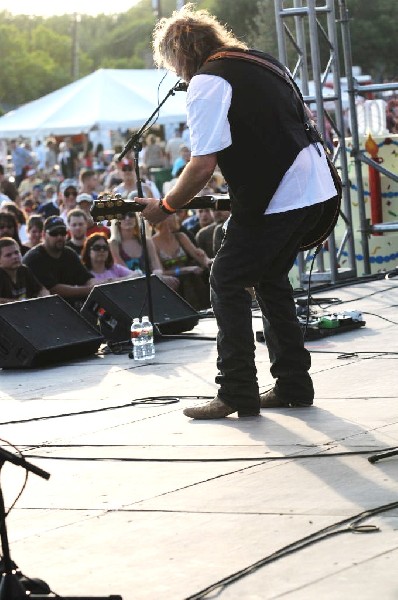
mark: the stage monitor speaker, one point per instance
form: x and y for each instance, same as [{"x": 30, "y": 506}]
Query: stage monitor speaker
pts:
[
  {"x": 113, "y": 306},
  {"x": 37, "y": 332}
]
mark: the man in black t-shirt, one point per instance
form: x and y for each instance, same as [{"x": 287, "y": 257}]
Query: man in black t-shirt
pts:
[
  {"x": 17, "y": 281},
  {"x": 59, "y": 268}
]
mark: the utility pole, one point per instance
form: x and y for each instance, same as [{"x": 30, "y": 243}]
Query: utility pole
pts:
[
  {"x": 75, "y": 47},
  {"x": 157, "y": 8}
]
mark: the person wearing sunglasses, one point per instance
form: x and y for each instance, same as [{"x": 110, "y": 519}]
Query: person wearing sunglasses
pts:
[
  {"x": 57, "y": 267},
  {"x": 129, "y": 183},
  {"x": 68, "y": 201},
  {"x": 97, "y": 258}
]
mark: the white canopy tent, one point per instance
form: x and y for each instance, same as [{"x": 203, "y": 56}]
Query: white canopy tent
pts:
[{"x": 108, "y": 99}]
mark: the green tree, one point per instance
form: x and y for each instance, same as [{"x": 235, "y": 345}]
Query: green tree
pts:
[
  {"x": 262, "y": 30},
  {"x": 373, "y": 30},
  {"x": 36, "y": 53},
  {"x": 237, "y": 15}
]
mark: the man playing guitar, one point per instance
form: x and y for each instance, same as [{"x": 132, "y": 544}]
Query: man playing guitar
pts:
[{"x": 233, "y": 103}]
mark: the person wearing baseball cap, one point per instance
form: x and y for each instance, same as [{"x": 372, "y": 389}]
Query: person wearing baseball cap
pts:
[
  {"x": 85, "y": 201},
  {"x": 84, "y": 198},
  {"x": 58, "y": 267}
]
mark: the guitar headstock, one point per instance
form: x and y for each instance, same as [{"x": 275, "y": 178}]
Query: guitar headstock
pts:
[{"x": 113, "y": 206}]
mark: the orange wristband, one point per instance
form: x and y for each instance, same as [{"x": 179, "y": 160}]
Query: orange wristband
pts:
[{"x": 168, "y": 207}]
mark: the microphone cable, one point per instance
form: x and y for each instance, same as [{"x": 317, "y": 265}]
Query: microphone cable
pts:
[{"x": 317, "y": 250}]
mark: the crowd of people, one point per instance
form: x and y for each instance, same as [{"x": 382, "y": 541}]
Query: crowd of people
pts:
[{"x": 50, "y": 244}]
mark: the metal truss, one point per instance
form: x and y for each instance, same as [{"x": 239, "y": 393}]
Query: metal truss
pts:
[{"x": 308, "y": 30}]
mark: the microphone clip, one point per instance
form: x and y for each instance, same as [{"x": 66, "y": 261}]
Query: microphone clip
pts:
[{"x": 180, "y": 86}]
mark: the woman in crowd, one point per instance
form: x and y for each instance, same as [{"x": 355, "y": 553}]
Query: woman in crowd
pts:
[
  {"x": 127, "y": 249},
  {"x": 182, "y": 259},
  {"x": 129, "y": 184},
  {"x": 34, "y": 230},
  {"x": 9, "y": 228},
  {"x": 97, "y": 258},
  {"x": 20, "y": 216},
  {"x": 67, "y": 198}
]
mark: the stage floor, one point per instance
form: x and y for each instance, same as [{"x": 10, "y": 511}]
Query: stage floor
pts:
[{"x": 145, "y": 503}]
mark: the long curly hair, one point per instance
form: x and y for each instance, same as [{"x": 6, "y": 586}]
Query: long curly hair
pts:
[{"x": 185, "y": 40}]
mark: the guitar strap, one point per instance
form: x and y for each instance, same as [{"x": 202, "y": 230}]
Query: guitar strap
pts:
[
  {"x": 313, "y": 134},
  {"x": 311, "y": 130}
]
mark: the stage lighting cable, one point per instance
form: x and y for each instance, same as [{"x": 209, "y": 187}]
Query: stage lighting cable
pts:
[{"x": 350, "y": 525}]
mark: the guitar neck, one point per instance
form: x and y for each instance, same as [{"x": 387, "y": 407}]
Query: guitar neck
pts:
[
  {"x": 216, "y": 202},
  {"x": 111, "y": 206}
]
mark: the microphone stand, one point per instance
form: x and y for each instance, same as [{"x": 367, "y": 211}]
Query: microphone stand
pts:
[
  {"x": 180, "y": 86},
  {"x": 134, "y": 143},
  {"x": 10, "y": 586}
]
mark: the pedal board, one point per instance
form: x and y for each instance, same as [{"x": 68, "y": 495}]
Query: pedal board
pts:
[{"x": 326, "y": 324}]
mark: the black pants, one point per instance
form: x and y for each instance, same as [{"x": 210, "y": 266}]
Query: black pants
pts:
[{"x": 260, "y": 256}]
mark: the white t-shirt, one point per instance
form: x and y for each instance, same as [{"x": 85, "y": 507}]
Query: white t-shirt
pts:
[{"x": 306, "y": 182}]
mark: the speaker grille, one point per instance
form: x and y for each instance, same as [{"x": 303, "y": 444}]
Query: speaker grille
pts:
[
  {"x": 44, "y": 330},
  {"x": 112, "y": 306}
]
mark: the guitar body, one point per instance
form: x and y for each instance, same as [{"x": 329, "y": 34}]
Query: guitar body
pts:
[
  {"x": 330, "y": 214},
  {"x": 318, "y": 234}
]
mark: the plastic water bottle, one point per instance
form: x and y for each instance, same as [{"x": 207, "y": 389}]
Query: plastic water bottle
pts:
[
  {"x": 136, "y": 339},
  {"x": 148, "y": 346}
]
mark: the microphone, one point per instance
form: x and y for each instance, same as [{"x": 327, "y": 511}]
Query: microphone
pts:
[{"x": 180, "y": 86}]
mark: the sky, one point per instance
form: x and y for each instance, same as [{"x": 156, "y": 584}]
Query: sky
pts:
[{"x": 47, "y": 8}]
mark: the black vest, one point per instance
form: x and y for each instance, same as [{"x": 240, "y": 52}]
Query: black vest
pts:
[{"x": 266, "y": 122}]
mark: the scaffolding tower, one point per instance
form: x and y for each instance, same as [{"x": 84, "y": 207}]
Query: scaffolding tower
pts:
[{"x": 310, "y": 28}]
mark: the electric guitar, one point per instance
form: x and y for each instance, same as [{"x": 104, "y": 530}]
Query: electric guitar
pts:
[{"x": 113, "y": 206}]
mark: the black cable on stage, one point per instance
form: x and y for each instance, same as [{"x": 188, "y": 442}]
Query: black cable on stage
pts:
[
  {"x": 346, "y": 283},
  {"x": 317, "y": 250},
  {"x": 187, "y": 336},
  {"x": 150, "y": 401},
  {"x": 379, "y": 317},
  {"x": 391, "y": 287},
  {"x": 346, "y": 355},
  {"x": 350, "y": 525},
  {"x": 165, "y": 400},
  {"x": 263, "y": 459},
  {"x": 125, "y": 347}
]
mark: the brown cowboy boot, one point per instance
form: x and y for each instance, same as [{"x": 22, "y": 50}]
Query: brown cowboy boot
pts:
[
  {"x": 215, "y": 409},
  {"x": 272, "y": 399}
]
